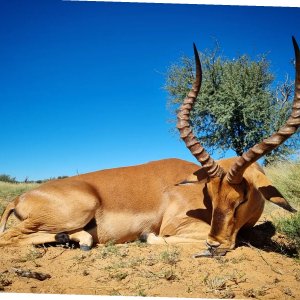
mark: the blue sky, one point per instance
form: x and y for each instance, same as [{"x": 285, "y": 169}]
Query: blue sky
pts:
[{"x": 81, "y": 83}]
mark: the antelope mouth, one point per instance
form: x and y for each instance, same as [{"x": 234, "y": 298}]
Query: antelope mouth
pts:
[{"x": 213, "y": 250}]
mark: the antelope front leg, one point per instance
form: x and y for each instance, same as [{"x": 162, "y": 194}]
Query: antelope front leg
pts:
[{"x": 153, "y": 239}]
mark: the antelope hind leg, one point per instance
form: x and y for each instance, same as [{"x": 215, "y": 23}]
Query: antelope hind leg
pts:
[
  {"x": 25, "y": 233},
  {"x": 84, "y": 238},
  {"x": 15, "y": 237}
]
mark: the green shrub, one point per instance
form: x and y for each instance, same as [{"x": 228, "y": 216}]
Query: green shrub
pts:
[
  {"x": 286, "y": 177},
  {"x": 7, "y": 178},
  {"x": 291, "y": 228}
]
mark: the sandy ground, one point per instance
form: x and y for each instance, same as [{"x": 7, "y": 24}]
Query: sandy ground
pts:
[{"x": 257, "y": 268}]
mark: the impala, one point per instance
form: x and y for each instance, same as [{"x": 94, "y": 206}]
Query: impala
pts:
[{"x": 167, "y": 201}]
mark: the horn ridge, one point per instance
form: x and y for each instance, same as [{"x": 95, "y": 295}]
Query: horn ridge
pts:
[
  {"x": 184, "y": 127},
  {"x": 235, "y": 174}
]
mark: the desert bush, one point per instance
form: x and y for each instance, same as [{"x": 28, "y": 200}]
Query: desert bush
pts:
[
  {"x": 290, "y": 226},
  {"x": 285, "y": 176},
  {"x": 170, "y": 256},
  {"x": 7, "y": 178}
]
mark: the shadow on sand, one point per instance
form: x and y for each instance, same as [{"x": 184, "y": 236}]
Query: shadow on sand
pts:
[{"x": 264, "y": 237}]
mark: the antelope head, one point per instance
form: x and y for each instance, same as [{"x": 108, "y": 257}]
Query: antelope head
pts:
[{"x": 237, "y": 186}]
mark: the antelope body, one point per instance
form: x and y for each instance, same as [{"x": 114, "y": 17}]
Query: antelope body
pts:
[{"x": 166, "y": 201}]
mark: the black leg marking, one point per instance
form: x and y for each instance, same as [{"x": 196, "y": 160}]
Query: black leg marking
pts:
[
  {"x": 143, "y": 237},
  {"x": 62, "y": 238}
]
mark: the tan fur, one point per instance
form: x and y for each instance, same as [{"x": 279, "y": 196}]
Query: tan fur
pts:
[{"x": 131, "y": 201}]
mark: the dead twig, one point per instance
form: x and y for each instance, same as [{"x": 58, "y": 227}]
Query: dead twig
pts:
[
  {"x": 259, "y": 252},
  {"x": 30, "y": 274},
  {"x": 55, "y": 256}
]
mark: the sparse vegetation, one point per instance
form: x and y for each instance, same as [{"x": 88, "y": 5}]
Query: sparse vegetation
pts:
[
  {"x": 4, "y": 280},
  {"x": 237, "y": 260},
  {"x": 32, "y": 255},
  {"x": 223, "y": 283},
  {"x": 141, "y": 293},
  {"x": 9, "y": 190},
  {"x": 168, "y": 274},
  {"x": 119, "y": 275},
  {"x": 114, "y": 292},
  {"x": 7, "y": 178},
  {"x": 47, "y": 179},
  {"x": 170, "y": 256},
  {"x": 255, "y": 293},
  {"x": 109, "y": 249},
  {"x": 290, "y": 226},
  {"x": 288, "y": 291},
  {"x": 285, "y": 176},
  {"x": 297, "y": 275}
]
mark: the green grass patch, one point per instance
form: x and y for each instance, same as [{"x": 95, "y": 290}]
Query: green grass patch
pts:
[
  {"x": 286, "y": 177},
  {"x": 8, "y": 191},
  {"x": 170, "y": 256},
  {"x": 290, "y": 226}
]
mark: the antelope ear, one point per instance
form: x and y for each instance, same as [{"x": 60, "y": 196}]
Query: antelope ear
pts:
[
  {"x": 270, "y": 192},
  {"x": 200, "y": 176},
  {"x": 273, "y": 195}
]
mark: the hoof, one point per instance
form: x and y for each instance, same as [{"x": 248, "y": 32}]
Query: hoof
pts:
[
  {"x": 143, "y": 237},
  {"x": 85, "y": 247}
]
